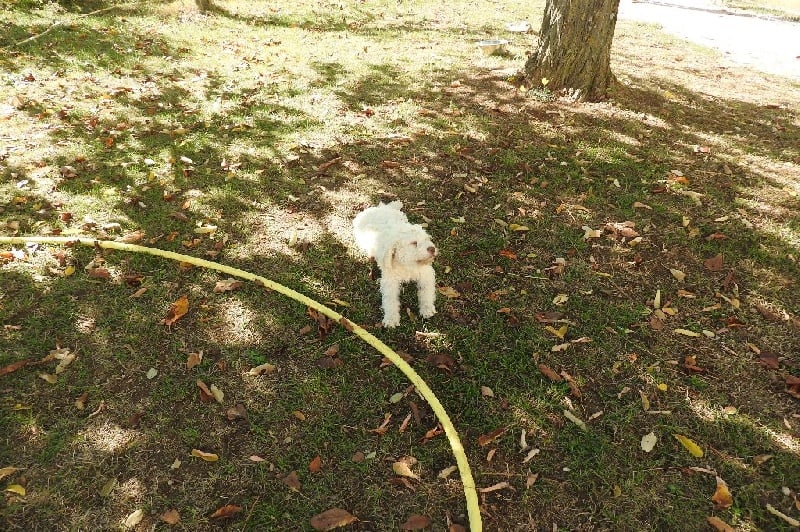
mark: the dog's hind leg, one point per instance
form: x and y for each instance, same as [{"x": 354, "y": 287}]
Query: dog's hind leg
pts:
[
  {"x": 390, "y": 294},
  {"x": 426, "y": 292}
]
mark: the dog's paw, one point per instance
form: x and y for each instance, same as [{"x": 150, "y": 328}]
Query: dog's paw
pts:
[
  {"x": 427, "y": 312},
  {"x": 391, "y": 322}
]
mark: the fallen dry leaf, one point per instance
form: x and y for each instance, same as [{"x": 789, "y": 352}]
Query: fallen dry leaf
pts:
[
  {"x": 208, "y": 457},
  {"x": 718, "y": 524},
  {"x": 677, "y": 274},
  {"x": 416, "y": 522},
  {"x": 98, "y": 273},
  {"x": 447, "y": 471},
  {"x": 403, "y": 468},
  {"x": 573, "y": 386},
  {"x": 714, "y": 264},
  {"x": 315, "y": 466},
  {"x": 6, "y": 471},
  {"x": 14, "y": 366},
  {"x": 226, "y": 511},
  {"x": 80, "y": 401},
  {"x": 177, "y": 310},
  {"x": 217, "y": 393},
  {"x": 486, "y": 439},
  {"x": 384, "y": 427},
  {"x": 559, "y": 333},
  {"x": 449, "y": 292},
  {"x": 52, "y": 379},
  {"x": 690, "y": 445},
  {"x": 134, "y": 518},
  {"x": 777, "y": 513},
  {"x": 649, "y": 442},
  {"x": 236, "y": 412},
  {"x": 331, "y": 519},
  {"x": 722, "y": 496},
  {"x": 205, "y": 394},
  {"x": 194, "y": 359},
  {"x": 227, "y": 285},
  {"x": 549, "y": 373},
  {"x": 293, "y": 481},
  {"x": 579, "y": 422},
  {"x": 171, "y": 517},
  {"x": 495, "y": 487},
  {"x": 263, "y": 369}
]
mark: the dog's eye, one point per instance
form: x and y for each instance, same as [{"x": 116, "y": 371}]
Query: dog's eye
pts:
[{"x": 414, "y": 243}]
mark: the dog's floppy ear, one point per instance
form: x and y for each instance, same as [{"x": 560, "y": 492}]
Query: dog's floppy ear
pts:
[{"x": 387, "y": 255}]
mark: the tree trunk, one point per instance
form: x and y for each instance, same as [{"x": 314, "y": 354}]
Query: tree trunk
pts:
[
  {"x": 574, "y": 50},
  {"x": 204, "y": 5}
]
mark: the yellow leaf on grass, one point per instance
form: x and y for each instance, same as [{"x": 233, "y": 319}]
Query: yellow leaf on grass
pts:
[
  {"x": 447, "y": 471},
  {"x": 6, "y": 471},
  {"x": 449, "y": 291},
  {"x": 16, "y": 488},
  {"x": 518, "y": 227},
  {"x": 679, "y": 275},
  {"x": 217, "y": 393},
  {"x": 560, "y": 332},
  {"x": 134, "y": 518},
  {"x": 722, "y": 496},
  {"x": 177, "y": 310},
  {"x": 263, "y": 369},
  {"x": 69, "y": 270},
  {"x": 49, "y": 378},
  {"x": 588, "y": 232},
  {"x": 686, "y": 332},
  {"x": 649, "y": 442},
  {"x": 690, "y": 445},
  {"x": 205, "y": 229},
  {"x": 402, "y": 469},
  {"x": 208, "y": 457}
]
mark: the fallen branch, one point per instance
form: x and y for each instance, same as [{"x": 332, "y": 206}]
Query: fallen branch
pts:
[
  {"x": 63, "y": 22},
  {"x": 467, "y": 481}
]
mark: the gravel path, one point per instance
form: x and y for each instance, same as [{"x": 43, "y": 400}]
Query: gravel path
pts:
[{"x": 763, "y": 43}]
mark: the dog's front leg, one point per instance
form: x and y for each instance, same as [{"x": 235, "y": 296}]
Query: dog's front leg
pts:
[
  {"x": 426, "y": 292},
  {"x": 390, "y": 293}
]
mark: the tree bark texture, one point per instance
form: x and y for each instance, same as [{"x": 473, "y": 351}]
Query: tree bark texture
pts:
[{"x": 574, "y": 52}]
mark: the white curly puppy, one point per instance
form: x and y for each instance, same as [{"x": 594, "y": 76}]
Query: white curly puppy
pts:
[{"x": 404, "y": 252}]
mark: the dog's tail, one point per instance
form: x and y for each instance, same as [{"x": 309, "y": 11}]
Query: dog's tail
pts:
[{"x": 396, "y": 205}]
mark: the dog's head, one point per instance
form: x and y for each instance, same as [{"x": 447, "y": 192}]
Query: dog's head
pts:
[{"x": 412, "y": 248}]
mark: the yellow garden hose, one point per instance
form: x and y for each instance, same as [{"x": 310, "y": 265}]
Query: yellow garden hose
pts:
[{"x": 467, "y": 481}]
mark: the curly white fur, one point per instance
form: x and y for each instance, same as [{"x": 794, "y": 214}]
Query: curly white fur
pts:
[{"x": 404, "y": 252}]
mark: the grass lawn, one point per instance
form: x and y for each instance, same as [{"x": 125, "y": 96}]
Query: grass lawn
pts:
[{"x": 612, "y": 276}]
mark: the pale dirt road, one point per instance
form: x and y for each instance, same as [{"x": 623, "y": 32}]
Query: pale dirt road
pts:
[{"x": 762, "y": 43}]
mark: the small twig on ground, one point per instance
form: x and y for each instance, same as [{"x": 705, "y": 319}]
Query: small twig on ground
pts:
[{"x": 63, "y": 22}]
